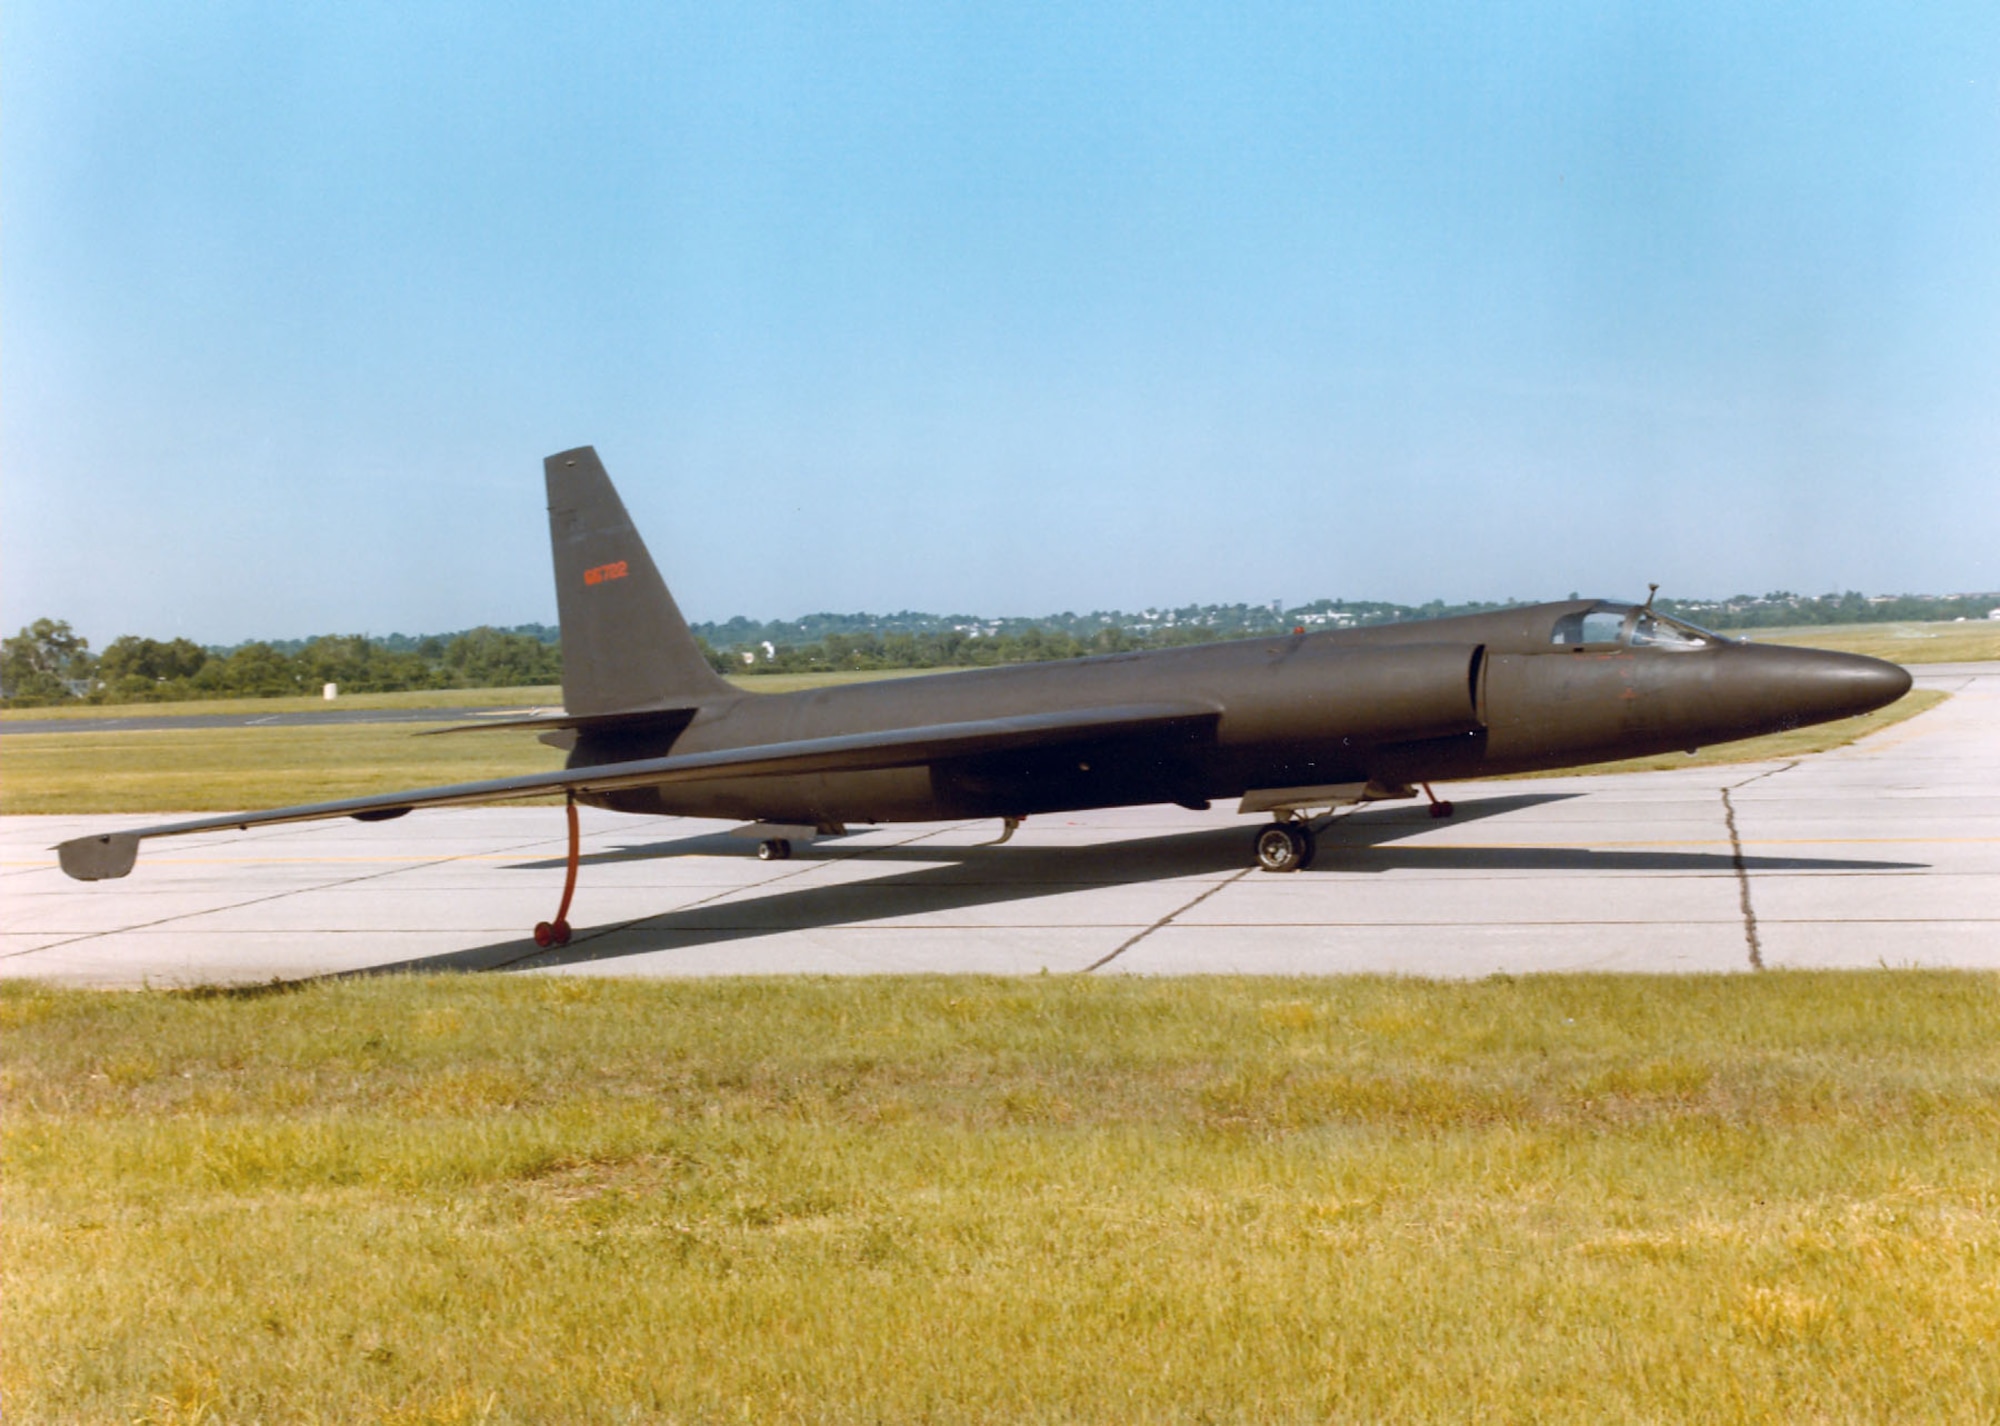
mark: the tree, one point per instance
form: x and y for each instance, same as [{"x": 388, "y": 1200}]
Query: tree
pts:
[
  {"x": 133, "y": 667},
  {"x": 254, "y": 670},
  {"x": 717, "y": 660},
  {"x": 488, "y": 658},
  {"x": 38, "y": 665},
  {"x": 359, "y": 664}
]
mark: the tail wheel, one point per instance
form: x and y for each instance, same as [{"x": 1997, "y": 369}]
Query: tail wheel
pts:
[{"x": 1284, "y": 846}]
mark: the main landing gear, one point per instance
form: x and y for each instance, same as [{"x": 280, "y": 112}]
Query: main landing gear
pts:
[
  {"x": 774, "y": 849},
  {"x": 556, "y": 932},
  {"x": 1286, "y": 846}
]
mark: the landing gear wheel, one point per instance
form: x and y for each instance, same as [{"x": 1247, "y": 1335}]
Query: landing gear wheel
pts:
[
  {"x": 774, "y": 849},
  {"x": 1442, "y": 809},
  {"x": 1284, "y": 846},
  {"x": 551, "y": 933}
]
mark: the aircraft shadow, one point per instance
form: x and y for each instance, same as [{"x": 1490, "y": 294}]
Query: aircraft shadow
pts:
[
  {"x": 963, "y": 878},
  {"x": 1368, "y": 825}
]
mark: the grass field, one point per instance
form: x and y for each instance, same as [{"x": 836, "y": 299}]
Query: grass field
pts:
[
  {"x": 225, "y": 769},
  {"x": 524, "y": 698},
  {"x": 548, "y": 696},
  {"x": 516, "y": 1199},
  {"x": 1973, "y": 641}
]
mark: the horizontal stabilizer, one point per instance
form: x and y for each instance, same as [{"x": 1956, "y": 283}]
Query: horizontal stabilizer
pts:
[
  {"x": 642, "y": 719},
  {"x": 94, "y": 858}
]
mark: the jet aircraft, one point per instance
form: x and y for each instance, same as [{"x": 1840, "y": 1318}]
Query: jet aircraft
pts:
[{"x": 1292, "y": 727}]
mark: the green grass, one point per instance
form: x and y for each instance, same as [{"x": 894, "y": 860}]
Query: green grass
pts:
[{"x": 511, "y": 1199}]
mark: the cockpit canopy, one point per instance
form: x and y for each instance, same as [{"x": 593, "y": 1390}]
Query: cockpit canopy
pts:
[{"x": 1610, "y": 625}]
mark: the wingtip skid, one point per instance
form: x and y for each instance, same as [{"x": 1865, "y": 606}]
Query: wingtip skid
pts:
[{"x": 99, "y": 858}]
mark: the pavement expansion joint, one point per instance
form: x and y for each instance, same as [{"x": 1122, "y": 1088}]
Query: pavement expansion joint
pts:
[
  {"x": 1164, "y": 921},
  {"x": 1742, "y": 883},
  {"x": 1767, "y": 772}
]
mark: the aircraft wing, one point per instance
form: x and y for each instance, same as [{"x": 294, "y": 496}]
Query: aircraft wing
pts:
[{"x": 112, "y": 854}]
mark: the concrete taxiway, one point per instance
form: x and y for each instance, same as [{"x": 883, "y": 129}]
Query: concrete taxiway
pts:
[{"x": 1885, "y": 853}]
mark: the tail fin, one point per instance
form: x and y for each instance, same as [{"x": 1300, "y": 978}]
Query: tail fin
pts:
[{"x": 625, "y": 645}]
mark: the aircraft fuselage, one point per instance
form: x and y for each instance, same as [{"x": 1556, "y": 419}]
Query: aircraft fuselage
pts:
[{"x": 1435, "y": 700}]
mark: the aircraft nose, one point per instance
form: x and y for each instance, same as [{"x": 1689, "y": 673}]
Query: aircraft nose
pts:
[{"x": 1842, "y": 685}]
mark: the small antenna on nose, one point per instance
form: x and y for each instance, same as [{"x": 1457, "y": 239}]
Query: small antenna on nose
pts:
[{"x": 1651, "y": 590}]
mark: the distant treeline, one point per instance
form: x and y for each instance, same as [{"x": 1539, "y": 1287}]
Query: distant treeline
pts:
[
  {"x": 48, "y": 663},
  {"x": 1152, "y": 628},
  {"x": 1786, "y": 610}
]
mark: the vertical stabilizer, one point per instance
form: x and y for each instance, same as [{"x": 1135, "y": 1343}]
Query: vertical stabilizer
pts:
[{"x": 625, "y": 645}]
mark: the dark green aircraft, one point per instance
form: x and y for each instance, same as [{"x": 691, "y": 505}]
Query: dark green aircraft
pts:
[{"x": 1293, "y": 727}]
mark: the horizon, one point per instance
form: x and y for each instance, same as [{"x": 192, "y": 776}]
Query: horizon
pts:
[{"x": 547, "y": 628}]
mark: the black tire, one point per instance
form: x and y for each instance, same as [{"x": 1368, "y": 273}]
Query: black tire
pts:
[
  {"x": 1308, "y": 845},
  {"x": 773, "y": 849},
  {"x": 1279, "y": 848}
]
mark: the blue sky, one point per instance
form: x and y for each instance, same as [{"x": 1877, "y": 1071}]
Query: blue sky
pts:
[{"x": 990, "y": 309}]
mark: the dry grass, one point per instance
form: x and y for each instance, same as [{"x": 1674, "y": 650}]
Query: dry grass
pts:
[
  {"x": 224, "y": 769},
  {"x": 525, "y": 699},
  {"x": 529, "y": 1199},
  {"x": 1974, "y": 641},
  {"x": 529, "y": 699}
]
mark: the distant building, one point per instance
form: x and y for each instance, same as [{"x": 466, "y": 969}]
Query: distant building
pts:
[{"x": 1993, "y": 613}]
